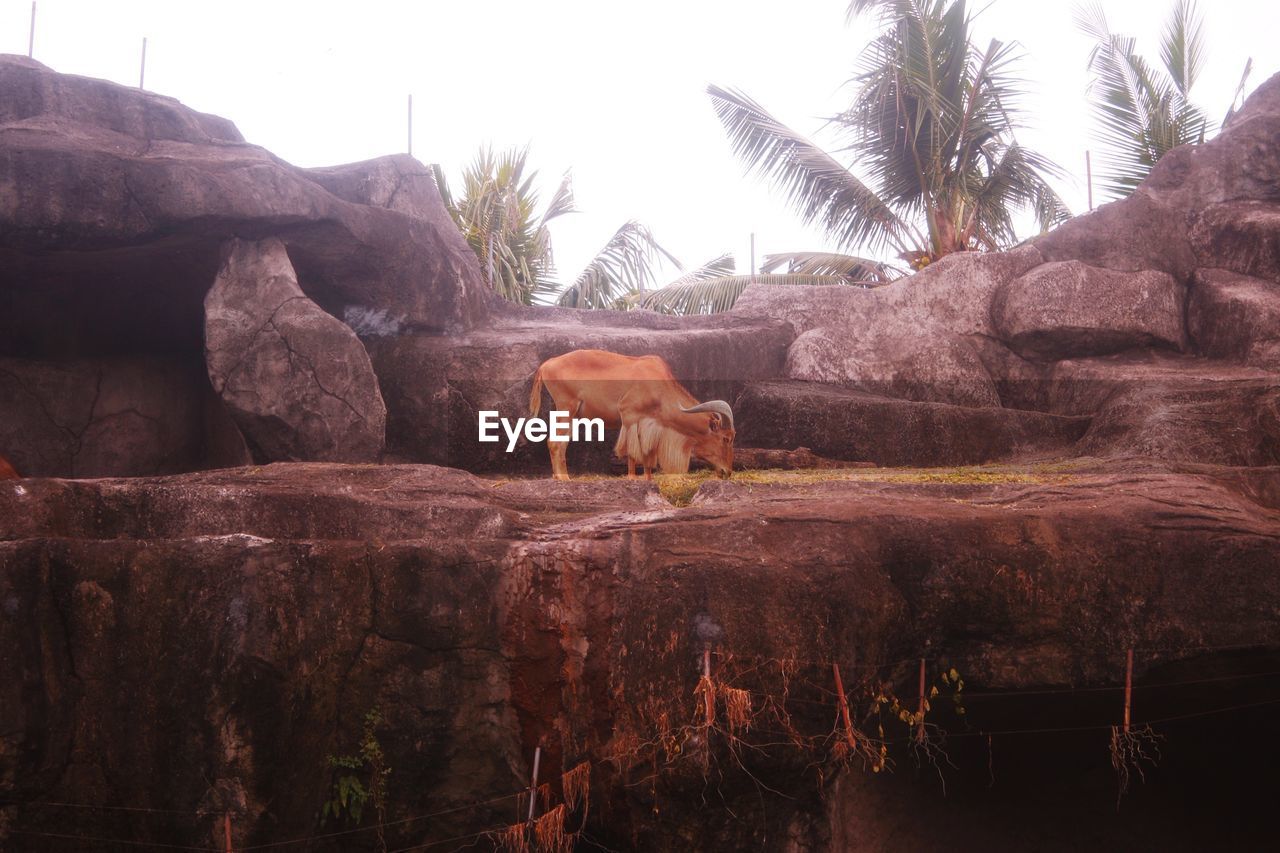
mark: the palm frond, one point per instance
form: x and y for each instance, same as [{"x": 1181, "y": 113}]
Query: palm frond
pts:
[
  {"x": 1141, "y": 115},
  {"x": 625, "y": 264},
  {"x": 1238, "y": 98},
  {"x": 719, "y": 294},
  {"x": 562, "y": 201},
  {"x": 848, "y": 267},
  {"x": 442, "y": 184},
  {"x": 1182, "y": 48},
  {"x": 822, "y": 190}
]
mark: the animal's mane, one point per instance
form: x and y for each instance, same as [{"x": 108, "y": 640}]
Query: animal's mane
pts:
[{"x": 648, "y": 442}]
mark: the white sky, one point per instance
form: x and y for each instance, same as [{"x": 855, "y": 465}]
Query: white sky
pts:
[{"x": 613, "y": 90}]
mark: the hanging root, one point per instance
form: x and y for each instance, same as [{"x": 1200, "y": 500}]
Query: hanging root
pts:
[
  {"x": 577, "y": 788},
  {"x": 549, "y": 834},
  {"x": 737, "y": 708},
  {"x": 1129, "y": 750},
  {"x": 706, "y": 693},
  {"x": 513, "y": 839}
]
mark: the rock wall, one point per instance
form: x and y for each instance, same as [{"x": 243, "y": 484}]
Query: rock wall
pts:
[
  {"x": 170, "y": 640},
  {"x": 119, "y": 205}
]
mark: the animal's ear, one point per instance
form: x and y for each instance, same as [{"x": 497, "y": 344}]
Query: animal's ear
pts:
[{"x": 715, "y": 421}]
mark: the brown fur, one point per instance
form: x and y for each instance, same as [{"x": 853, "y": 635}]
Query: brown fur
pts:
[{"x": 641, "y": 398}]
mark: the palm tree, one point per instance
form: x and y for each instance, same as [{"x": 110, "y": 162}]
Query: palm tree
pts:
[
  {"x": 498, "y": 216},
  {"x": 623, "y": 267},
  {"x": 931, "y": 131},
  {"x": 1142, "y": 112},
  {"x": 713, "y": 287}
]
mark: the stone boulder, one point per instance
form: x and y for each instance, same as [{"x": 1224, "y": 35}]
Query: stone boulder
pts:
[
  {"x": 296, "y": 380},
  {"x": 92, "y": 167},
  {"x": 1242, "y": 237},
  {"x": 1069, "y": 309},
  {"x": 941, "y": 368},
  {"x": 1235, "y": 317}
]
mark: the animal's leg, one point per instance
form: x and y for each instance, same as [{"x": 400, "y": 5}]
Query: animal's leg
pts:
[
  {"x": 559, "y": 451},
  {"x": 630, "y": 438}
]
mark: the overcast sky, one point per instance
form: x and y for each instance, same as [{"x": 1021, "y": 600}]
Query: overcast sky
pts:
[{"x": 614, "y": 91}]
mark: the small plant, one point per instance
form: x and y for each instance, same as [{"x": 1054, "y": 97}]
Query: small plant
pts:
[{"x": 351, "y": 792}]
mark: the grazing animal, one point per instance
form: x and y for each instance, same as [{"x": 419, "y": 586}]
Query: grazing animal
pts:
[
  {"x": 7, "y": 471},
  {"x": 660, "y": 423}
]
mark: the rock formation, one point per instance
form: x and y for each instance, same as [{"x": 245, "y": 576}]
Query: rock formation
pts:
[
  {"x": 198, "y": 643},
  {"x": 296, "y": 380},
  {"x": 164, "y": 636}
]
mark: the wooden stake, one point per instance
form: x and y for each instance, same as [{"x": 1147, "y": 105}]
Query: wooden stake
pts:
[
  {"x": 142, "y": 71},
  {"x": 31, "y": 41},
  {"x": 844, "y": 707},
  {"x": 226, "y": 830},
  {"x": 533, "y": 785},
  {"x": 920, "y": 707},
  {"x": 1088, "y": 171},
  {"x": 1128, "y": 688},
  {"x": 411, "y": 125},
  {"x": 753, "y": 253}
]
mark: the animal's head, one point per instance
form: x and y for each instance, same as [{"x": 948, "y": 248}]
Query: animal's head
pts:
[{"x": 714, "y": 444}]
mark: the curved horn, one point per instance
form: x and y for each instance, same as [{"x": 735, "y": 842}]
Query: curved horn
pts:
[{"x": 720, "y": 407}]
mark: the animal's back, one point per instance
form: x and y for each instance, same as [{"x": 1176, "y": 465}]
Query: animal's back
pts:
[
  {"x": 596, "y": 364},
  {"x": 591, "y": 383}
]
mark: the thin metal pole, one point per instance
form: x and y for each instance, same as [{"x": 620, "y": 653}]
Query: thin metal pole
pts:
[
  {"x": 1088, "y": 170},
  {"x": 142, "y": 71},
  {"x": 533, "y": 786},
  {"x": 411, "y": 125},
  {"x": 31, "y": 42},
  {"x": 753, "y": 253}
]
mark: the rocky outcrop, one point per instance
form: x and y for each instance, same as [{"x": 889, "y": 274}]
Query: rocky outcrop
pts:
[
  {"x": 1069, "y": 309},
  {"x": 199, "y": 644},
  {"x": 115, "y": 208},
  {"x": 1235, "y": 317},
  {"x": 297, "y": 381},
  {"x": 120, "y": 205},
  {"x": 254, "y": 616}
]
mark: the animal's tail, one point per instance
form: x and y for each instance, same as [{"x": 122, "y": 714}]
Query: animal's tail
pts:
[{"x": 535, "y": 396}]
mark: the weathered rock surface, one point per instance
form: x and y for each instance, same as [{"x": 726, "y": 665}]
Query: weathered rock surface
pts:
[
  {"x": 112, "y": 417},
  {"x": 1235, "y": 317},
  {"x": 297, "y": 381},
  {"x": 253, "y": 616},
  {"x": 855, "y": 425},
  {"x": 1069, "y": 309},
  {"x": 117, "y": 205}
]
